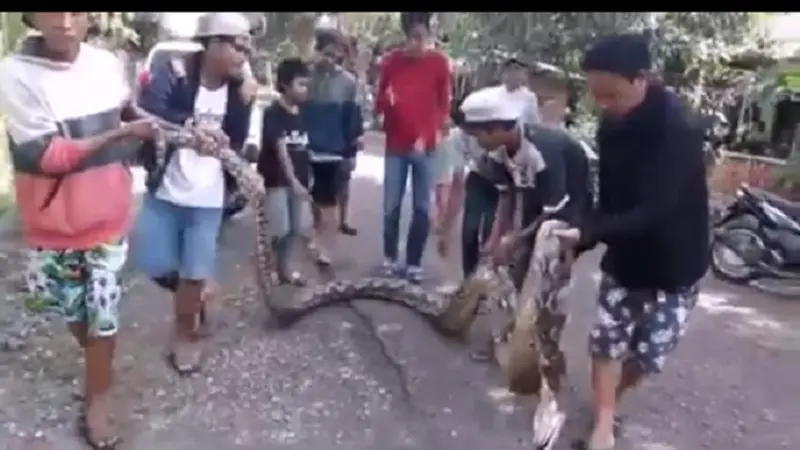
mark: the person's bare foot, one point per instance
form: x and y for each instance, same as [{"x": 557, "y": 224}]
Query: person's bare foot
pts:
[
  {"x": 186, "y": 356},
  {"x": 97, "y": 429}
]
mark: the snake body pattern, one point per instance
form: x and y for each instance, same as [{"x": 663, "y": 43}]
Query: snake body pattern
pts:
[{"x": 526, "y": 337}]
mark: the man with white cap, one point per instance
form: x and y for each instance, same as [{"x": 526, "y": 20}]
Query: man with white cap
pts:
[
  {"x": 498, "y": 160},
  {"x": 180, "y": 217}
]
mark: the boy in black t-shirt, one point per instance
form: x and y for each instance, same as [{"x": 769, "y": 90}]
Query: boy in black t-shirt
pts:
[{"x": 284, "y": 165}]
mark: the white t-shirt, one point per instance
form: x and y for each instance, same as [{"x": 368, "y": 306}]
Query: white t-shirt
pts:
[{"x": 191, "y": 179}]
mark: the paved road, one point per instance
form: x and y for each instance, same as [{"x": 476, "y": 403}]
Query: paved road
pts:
[{"x": 373, "y": 376}]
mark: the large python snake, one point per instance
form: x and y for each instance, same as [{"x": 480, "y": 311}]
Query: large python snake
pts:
[
  {"x": 526, "y": 334},
  {"x": 526, "y": 338}
]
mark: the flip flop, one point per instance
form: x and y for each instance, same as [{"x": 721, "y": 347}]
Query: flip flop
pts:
[
  {"x": 293, "y": 279},
  {"x": 348, "y": 230},
  {"x": 183, "y": 370},
  {"x": 583, "y": 444},
  {"x": 109, "y": 443}
]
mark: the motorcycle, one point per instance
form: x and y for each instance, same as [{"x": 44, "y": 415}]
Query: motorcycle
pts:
[{"x": 757, "y": 240}]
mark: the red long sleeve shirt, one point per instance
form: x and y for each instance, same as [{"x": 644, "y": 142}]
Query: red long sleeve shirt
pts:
[{"x": 419, "y": 102}]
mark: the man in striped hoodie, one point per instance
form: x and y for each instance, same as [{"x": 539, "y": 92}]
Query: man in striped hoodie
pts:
[{"x": 63, "y": 102}]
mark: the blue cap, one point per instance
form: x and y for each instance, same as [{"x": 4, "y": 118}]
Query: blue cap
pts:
[{"x": 626, "y": 55}]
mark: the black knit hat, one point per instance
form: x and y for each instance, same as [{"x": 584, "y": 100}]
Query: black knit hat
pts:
[{"x": 626, "y": 55}]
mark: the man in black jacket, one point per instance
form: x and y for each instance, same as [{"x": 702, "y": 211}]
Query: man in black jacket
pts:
[{"x": 653, "y": 218}]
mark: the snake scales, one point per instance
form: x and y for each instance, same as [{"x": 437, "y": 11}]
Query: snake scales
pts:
[{"x": 526, "y": 330}]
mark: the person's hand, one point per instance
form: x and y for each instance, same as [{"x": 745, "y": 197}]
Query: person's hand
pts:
[
  {"x": 568, "y": 238},
  {"x": 249, "y": 89},
  {"x": 203, "y": 142},
  {"x": 390, "y": 95},
  {"x": 419, "y": 145},
  {"x": 504, "y": 247},
  {"x": 487, "y": 248},
  {"x": 141, "y": 129},
  {"x": 219, "y": 136}
]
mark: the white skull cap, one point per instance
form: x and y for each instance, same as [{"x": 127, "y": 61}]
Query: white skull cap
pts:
[{"x": 222, "y": 24}]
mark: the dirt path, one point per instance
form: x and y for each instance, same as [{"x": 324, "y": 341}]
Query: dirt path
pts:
[{"x": 372, "y": 376}]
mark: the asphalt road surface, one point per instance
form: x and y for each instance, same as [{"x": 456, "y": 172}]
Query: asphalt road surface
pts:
[{"x": 371, "y": 376}]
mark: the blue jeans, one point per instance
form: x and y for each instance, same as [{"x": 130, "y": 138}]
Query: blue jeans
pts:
[
  {"x": 170, "y": 238},
  {"x": 395, "y": 174},
  {"x": 289, "y": 217},
  {"x": 480, "y": 203}
]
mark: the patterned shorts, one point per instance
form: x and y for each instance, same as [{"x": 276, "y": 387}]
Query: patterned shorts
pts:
[
  {"x": 640, "y": 325},
  {"x": 80, "y": 285}
]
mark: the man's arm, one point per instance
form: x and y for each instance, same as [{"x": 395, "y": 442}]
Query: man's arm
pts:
[
  {"x": 382, "y": 101},
  {"x": 354, "y": 120},
  {"x": 238, "y": 122},
  {"x": 444, "y": 90},
  {"x": 35, "y": 143},
  {"x": 662, "y": 181},
  {"x": 552, "y": 181},
  {"x": 455, "y": 168},
  {"x": 155, "y": 97}
]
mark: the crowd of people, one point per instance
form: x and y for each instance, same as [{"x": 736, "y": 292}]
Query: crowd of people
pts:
[{"x": 499, "y": 159}]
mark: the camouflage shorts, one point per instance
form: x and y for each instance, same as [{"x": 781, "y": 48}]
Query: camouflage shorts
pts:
[{"x": 80, "y": 285}]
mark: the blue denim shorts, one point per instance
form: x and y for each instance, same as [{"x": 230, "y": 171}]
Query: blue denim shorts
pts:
[
  {"x": 169, "y": 237},
  {"x": 640, "y": 325}
]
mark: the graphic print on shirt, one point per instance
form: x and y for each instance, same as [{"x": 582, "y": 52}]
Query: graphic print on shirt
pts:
[
  {"x": 191, "y": 179},
  {"x": 281, "y": 125},
  {"x": 296, "y": 140}
]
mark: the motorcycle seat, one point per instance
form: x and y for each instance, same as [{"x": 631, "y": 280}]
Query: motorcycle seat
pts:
[{"x": 792, "y": 209}]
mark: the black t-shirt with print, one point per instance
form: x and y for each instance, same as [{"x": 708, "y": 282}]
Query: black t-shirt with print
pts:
[{"x": 279, "y": 124}]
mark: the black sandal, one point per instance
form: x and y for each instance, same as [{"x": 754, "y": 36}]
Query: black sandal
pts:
[
  {"x": 293, "y": 279},
  {"x": 109, "y": 443},
  {"x": 183, "y": 370},
  {"x": 347, "y": 230}
]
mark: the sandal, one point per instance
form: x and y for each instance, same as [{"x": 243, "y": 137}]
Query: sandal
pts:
[
  {"x": 583, "y": 444},
  {"x": 348, "y": 230},
  {"x": 107, "y": 443},
  {"x": 185, "y": 358},
  {"x": 293, "y": 279},
  {"x": 319, "y": 255}
]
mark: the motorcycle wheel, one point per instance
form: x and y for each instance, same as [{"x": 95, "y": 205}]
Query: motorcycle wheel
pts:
[{"x": 729, "y": 260}]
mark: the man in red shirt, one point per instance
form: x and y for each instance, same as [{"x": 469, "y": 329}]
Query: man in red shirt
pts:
[{"x": 414, "y": 100}]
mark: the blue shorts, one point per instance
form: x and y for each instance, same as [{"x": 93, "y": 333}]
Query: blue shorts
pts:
[
  {"x": 171, "y": 238},
  {"x": 640, "y": 325}
]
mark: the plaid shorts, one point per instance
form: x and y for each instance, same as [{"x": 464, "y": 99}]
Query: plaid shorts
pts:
[
  {"x": 80, "y": 285},
  {"x": 640, "y": 325}
]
